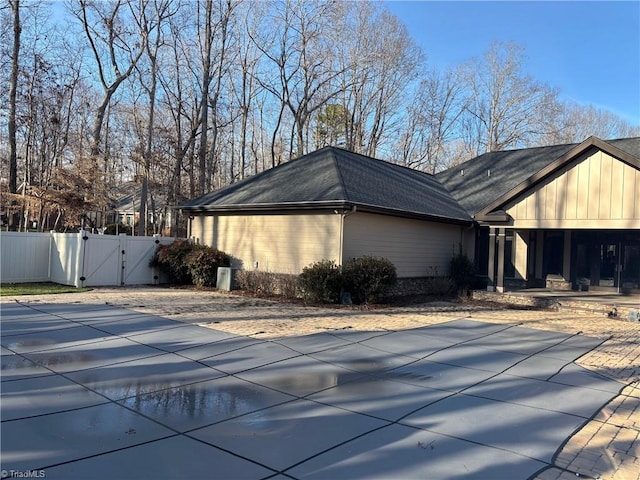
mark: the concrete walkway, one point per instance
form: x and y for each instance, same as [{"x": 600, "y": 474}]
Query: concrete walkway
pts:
[{"x": 494, "y": 356}]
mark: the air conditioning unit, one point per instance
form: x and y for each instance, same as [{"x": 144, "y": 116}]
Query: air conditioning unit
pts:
[{"x": 226, "y": 279}]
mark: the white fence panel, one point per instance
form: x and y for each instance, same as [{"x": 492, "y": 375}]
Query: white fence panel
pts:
[
  {"x": 24, "y": 257},
  {"x": 101, "y": 260},
  {"x": 138, "y": 253},
  {"x": 80, "y": 259},
  {"x": 65, "y": 257}
]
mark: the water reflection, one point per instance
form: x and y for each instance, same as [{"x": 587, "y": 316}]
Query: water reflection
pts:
[{"x": 202, "y": 403}]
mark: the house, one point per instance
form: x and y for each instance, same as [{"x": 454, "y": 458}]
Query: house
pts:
[
  {"x": 334, "y": 204},
  {"x": 567, "y": 216},
  {"x": 125, "y": 208}
]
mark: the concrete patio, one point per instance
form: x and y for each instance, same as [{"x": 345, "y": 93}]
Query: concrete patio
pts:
[{"x": 98, "y": 391}]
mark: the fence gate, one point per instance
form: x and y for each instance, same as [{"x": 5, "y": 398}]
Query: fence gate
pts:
[
  {"x": 100, "y": 259},
  {"x": 81, "y": 259}
]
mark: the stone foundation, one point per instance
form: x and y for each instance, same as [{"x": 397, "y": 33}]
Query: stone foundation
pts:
[
  {"x": 409, "y": 286},
  {"x": 513, "y": 299}
]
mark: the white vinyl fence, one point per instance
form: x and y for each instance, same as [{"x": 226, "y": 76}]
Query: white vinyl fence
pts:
[{"x": 80, "y": 259}]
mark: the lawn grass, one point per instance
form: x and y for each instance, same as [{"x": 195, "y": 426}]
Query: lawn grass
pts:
[{"x": 43, "y": 288}]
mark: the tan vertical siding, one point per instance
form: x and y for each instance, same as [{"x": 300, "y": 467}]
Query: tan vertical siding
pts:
[
  {"x": 415, "y": 247},
  {"x": 617, "y": 189},
  {"x": 278, "y": 243},
  {"x": 599, "y": 192}
]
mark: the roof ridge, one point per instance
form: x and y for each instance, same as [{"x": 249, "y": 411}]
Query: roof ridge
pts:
[{"x": 343, "y": 185}]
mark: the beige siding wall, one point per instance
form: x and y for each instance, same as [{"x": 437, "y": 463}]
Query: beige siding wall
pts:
[
  {"x": 412, "y": 245},
  {"x": 599, "y": 192},
  {"x": 279, "y": 243}
]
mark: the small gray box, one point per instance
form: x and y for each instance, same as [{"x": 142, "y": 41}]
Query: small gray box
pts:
[{"x": 226, "y": 279}]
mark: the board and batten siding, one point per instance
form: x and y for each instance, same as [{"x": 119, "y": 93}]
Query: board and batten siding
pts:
[
  {"x": 415, "y": 247},
  {"x": 598, "y": 192},
  {"x": 278, "y": 243}
]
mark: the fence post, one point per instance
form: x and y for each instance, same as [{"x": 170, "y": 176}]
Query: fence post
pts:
[
  {"x": 50, "y": 253},
  {"x": 123, "y": 259},
  {"x": 155, "y": 271},
  {"x": 80, "y": 278}
]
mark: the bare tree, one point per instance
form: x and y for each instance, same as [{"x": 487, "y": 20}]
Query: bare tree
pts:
[
  {"x": 13, "y": 86},
  {"x": 380, "y": 63},
  {"x": 152, "y": 24},
  {"x": 432, "y": 120},
  {"x": 576, "y": 122},
  {"x": 506, "y": 108},
  {"x": 116, "y": 43},
  {"x": 303, "y": 67},
  {"x": 214, "y": 32}
]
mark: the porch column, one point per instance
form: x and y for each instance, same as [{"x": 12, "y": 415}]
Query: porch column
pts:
[
  {"x": 521, "y": 247},
  {"x": 500, "y": 276},
  {"x": 539, "y": 252},
  {"x": 491, "y": 284},
  {"x": 566, "y": 257}
]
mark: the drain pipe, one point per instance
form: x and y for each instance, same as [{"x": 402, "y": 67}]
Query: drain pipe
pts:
[{"x": 343, "y": 215}]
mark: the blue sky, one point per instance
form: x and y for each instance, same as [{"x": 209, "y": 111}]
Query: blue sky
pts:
[{"x": 589, "y": 50}]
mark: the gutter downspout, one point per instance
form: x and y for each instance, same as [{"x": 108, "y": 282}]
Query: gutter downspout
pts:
[{"x": 343, "y": 216}]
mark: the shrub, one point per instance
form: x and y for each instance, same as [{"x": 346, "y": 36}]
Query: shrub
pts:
[
  {"x": 268, "y": 284},
  {"x": 321, "y": 282},
  {"x": 188, "y": 263},
  {"x": 463, "y": 273},
  {"x": 369, "y": 278},
  {"x": 288, "y": 286},
  {"x": 256, "y": 281},
  {"x": 203, "y": 262},
  {"x": 171, "y": 260}
]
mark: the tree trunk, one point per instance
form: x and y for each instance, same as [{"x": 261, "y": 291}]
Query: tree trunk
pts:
[{"x": 14, "y": 218}]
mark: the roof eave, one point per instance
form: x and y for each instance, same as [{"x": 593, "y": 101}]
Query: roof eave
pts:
[
  {"x": 560, "y": 162},
  {"x": 266, "y": 207},
  {"x": 320, "y": 206}
]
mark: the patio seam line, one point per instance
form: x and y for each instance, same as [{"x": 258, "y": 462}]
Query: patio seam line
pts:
[
  {"x": 176, "y": 432},
  {"x": 495, "y": 375},
  {"x": 102, "y": 453},
  {"x": 413, "y": 359},
  {"x": 399, "y": 420},
  {"x": 391, "y": 423},
  {"x": 159, "y": 440}
]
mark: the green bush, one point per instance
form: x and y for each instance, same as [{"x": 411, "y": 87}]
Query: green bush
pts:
[
  {"x": 369, "y": 278},
  {"x": 463, "y": 273},
  {"x": 203, "y": 262},
  {"x": 321, "y": 282},
  {"x": 171, "y": 259},
  {"x": 187, "y": 263}
]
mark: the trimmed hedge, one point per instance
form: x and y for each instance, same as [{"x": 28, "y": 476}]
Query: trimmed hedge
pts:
[
  {"x": 321, "y": 282},
  {"x": 203, "y": 262},
  {"x": 368, "y": 279},
  {"x": 187, "y": 263},
  {"x": 268, "y": 284}
]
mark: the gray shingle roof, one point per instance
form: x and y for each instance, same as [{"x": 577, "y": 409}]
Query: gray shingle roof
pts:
[
  {"x": 335, "y": 176},
  {"x": 479, "y": 181}
]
